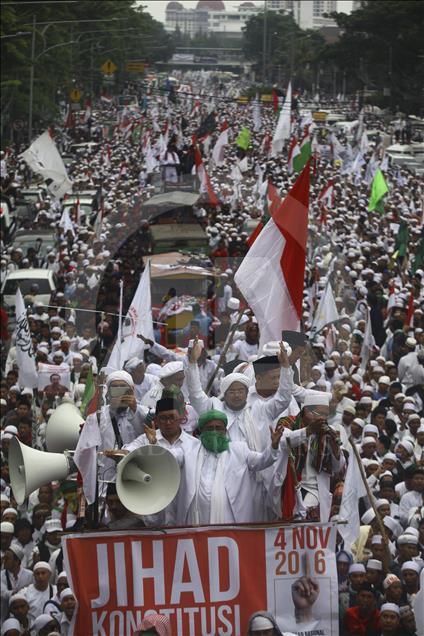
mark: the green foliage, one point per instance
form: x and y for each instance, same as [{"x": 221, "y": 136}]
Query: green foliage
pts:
[
  {"x": 290, "y": 50},
  {"x": 72, "y": 41},
  {"x": 383, "y": 48}
]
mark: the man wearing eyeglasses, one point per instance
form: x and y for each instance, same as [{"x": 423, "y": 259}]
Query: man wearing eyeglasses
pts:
[{"x": 166, "y": 431}]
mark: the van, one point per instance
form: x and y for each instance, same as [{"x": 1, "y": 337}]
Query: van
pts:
[{"x": 24, "y": 279}]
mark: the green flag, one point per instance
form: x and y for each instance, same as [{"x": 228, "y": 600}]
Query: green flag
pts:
[
  {"x": 402, "y": 238},
  {"x": 378, "y": 190},
  {"x": 418, "y": 262},
  {"x": 243, "y": 138},
  {"x": 300, "y": 160},
  {"x": 89, "y": 391}
]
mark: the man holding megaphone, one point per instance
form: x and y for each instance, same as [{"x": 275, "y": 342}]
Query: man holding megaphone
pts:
[{"x": 119, "y": 422}]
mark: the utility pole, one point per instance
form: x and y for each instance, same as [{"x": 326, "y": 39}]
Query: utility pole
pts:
[
  {"x": 264, "y": 46},
  {"x": 31, "y": 79}
]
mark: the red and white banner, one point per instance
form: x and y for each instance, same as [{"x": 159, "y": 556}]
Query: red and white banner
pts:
[{"x": 207, "y": 580}]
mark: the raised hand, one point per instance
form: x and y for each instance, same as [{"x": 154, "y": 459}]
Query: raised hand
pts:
[
  {"x": 283, "y": 357},
  {"x": 276, "y": 436}
]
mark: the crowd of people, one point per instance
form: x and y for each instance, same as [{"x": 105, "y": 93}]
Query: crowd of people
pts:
[{"x": 240, "y": 420}]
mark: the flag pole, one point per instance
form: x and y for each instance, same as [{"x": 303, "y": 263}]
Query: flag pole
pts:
[
  {"x": 225, "y": 348},
  {"x": 368, "y": 489},
  {"x": 121, "y": 302}
]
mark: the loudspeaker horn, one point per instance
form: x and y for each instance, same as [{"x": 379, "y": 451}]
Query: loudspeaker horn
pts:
[
  {"x": 29, "y": 469},
  {"x": 147, "y": 479},
  {"x": 63, "y": 428}
]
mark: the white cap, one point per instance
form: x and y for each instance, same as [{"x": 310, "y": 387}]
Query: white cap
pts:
[
  {"x": 171, "y": 368},
  {"x": 390, "y": 607},
  {"x": 7, "y": 527},
  {"x": 52, "y": 525},
  {"x": 407, "y": 445},
  {"x": 377, "y": 539},
  {"x": 316, "y": 398},
  {"x": 260, "y": 623},
  {"x": 374, "y": 564},
  {"x": 9, "y": 624},
  {"x": 384, "y": 379},
  {"x": 41, "y": 565},
  {"x": 411, "y": 565},
  {"x": 359, "y": 422},
  {"x": 357, "y": 567},
  {"x": 367, "y": 517},
  {"x": 66, "y": 592},
  {"x": 370, "y": 428},
  {"x": 407, "y": 539},
  {"x": 41, "y": 621}
]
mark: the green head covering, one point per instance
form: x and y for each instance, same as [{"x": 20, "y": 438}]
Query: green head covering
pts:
[{"x": 212, "y": 414}]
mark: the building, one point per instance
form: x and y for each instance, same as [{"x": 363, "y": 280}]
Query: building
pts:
[
  {"x": 308, "y": 14},
  {"x": 209, "y": 16}
]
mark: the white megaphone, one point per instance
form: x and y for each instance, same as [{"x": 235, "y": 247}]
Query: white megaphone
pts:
[
  {"x": 63, "y": 427},
  {"x": 147, "y": 479},
  {"x": 29, "y": 469}
]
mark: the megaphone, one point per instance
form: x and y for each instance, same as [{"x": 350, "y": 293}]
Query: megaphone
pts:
[
  {"x": 63, "y": 428},
  {"x": 29, "y": 469},
  {"x": 147, "y": 479}
]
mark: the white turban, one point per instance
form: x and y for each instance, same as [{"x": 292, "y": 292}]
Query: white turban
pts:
[
  {"x": 230, "y": 379},
  {"x": 132, "y": 364},
  {"x": 171, "y": 368},
  {"x": 120, "y": 375}
]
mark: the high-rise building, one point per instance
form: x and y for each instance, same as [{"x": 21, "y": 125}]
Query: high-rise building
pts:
[
  {"x": 308, "y": 14},
  {"x": 209, "y": 16}
]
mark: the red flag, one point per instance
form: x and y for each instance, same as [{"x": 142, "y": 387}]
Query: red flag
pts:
[
  {"x": 409, "y": 320},
  {"x": 252, "y": 238},
  {"x": 275, "y": 102}
]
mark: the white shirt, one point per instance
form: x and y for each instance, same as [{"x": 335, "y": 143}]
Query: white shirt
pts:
[
  {"x": 244, "y": 350},
  {"x": 411, "y": 499},
  {"x": 37, "y": 599},
  {"x": 204, "y": 492},
  {"x": 149, "y": 381},
  {"x": 9, "y": 584}
]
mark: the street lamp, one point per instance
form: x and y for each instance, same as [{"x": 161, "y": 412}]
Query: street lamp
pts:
[{"x": 34, "y": 59}]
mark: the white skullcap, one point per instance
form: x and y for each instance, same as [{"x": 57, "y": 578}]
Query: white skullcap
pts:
[
  {"x": 9, "y": 624},
  {"x": 368, "y": 516},
  {"x": 17, "y": 550},
  {"x": 260, "y": 623},
  {"x": 171, "y": 368},
  {"x": 359, "y": 422},
  {"x": 384, "y": 379},
  {"x": 132, "y": 364},
  {"x": 392, "y": 525},
  {"x": 17, "y": 596},
  {"x": 66, "y": 592},
  {"x": 377, "y": 539},
  {"x": 390, "y": 607},
  {"x": 120, "y": 375},
  {"x": 229, "y": 379},
  {"x": 391, "y": 456},
  {"x": 10, "y": 510},
  {"x": 374, "y": 564},
  {"x": 348, "y": 408},
  {"x": 316, "y": 398},
  {"x": 382, "y": 502},
  {"x": 7, "y": 527},
  {"x": 357, "y": 567},
  {"x": 370, "y": 428},
  {"x": 41, "y": 565},
  {"x": 413, "y": 531},
  {"x": 41, "y": 621},
  {"x": 411, "y": 565},
  {"x": 407, "y": 539},
  {"x": 368, "y": 440},
  {"x": 407, "y": 445}
]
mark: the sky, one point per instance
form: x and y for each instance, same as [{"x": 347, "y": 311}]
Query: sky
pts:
[{"x": 157, "y": 7}]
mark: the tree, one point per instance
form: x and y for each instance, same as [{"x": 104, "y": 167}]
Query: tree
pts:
[
  {"x": 381, "y": 48},
  {"x": 72, "y": 40}
]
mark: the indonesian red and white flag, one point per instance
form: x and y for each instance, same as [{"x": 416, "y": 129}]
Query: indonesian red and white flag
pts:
[
  {"x": 218, "y": 149},
  {"x": 326, "y": 196},
  {"x": 294, "y": 150},
  {"x": 271, "y": 276}
]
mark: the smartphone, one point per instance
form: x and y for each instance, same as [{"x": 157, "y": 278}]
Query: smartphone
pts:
[
  {"x": 191, "y": 343},
  {"x": 118, "y": 391},
  {"x": 293, "y": 338}
]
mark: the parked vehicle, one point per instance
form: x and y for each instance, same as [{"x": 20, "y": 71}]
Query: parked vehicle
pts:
[{"x": 25, "y": 279}]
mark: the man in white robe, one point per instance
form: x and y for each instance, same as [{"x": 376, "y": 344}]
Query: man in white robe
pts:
[
  {"x": 218, "y": 475},
  {"x": 38, "y": 593},
  {"x": 169, "y": 435},
  {"x": 119, "y": 422},
  {"x": 143, "y": 381},
  {"x": 248, "y": 421}
]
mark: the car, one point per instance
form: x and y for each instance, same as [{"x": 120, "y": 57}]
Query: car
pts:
[
  {"x": 43, "y": 241},
  {"x": 31, "y": 195},
  {"x": 24, "y": 279},
  {"x": 87, "y": 204}
]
